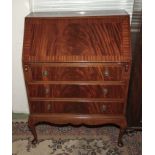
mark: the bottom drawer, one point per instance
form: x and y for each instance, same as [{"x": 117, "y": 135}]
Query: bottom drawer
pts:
[{"x": 77, "y": 107}]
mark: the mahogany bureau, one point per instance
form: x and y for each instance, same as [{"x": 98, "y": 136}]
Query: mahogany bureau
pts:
[{"x": 77, "y": 68}]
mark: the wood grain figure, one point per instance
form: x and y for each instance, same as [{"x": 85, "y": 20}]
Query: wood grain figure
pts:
[{"x": 77, "y": 68}]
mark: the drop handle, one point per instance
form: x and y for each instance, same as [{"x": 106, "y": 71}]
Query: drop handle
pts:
[
  {"x": 47, "y": 90},
  {"x": 126, "y": 67},
  {"x": 49, "y": 107},
  {"x": 105, "y": 91},
  {"x": 26, "y": 68},
  {"x": 45, "y": 73},
  {"x": 106, "y": 73},
  {"x": 104, "y": 108}
]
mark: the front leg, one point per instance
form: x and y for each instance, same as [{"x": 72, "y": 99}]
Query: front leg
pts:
[
  {"x": 123, "y": 126},
  {"x": 121, "y": 133},
  {"x": 31, "y": 125}
]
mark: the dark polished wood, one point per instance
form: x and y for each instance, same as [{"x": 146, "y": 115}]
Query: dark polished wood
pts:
[
  {"x": 76, "y": 91},
  {"x": 77, "y": 107},
  {"x": 77, "y": 68},
  {"x": 105, "y": 38},
  {"x": 64, "y": 72}
]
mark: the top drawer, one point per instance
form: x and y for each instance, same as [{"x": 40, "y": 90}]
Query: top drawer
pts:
[{"x": 74, "y": 72}]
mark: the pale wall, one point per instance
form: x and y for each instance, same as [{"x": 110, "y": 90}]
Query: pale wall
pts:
[{"x": 19, "y": 99}]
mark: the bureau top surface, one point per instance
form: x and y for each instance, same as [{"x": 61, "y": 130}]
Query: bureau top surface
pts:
[
  {"x": 92, "y": 36},
  {"x": 78, "y": 13}
]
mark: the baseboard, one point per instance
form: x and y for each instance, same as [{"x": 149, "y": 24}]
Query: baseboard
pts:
[{"x": 19, "y": 117}]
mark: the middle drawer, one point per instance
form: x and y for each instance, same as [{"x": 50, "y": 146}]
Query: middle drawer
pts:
[{"x": 76, "y": 91}]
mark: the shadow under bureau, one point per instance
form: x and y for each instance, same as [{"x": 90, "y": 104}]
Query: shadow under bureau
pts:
[{"x": 77, "y": 68}]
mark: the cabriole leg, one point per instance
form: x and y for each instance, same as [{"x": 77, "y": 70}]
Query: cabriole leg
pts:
[
  {"x": 33, "y": 131},
  {"x": 121, "y": 133}
]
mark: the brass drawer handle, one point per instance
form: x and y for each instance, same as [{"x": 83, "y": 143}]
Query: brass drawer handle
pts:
[
  {"x": 126, "y": 67},
  {"x": 105, "y": 91},
  {"x": 104, "y": 108},
  {"x": 47, "y": 90},
  {"x": 106, "y": 72},
  {"x": 45, "y": 73},
  {"x": 49, "y": 106},
  {"x": 26, "y": 68}
]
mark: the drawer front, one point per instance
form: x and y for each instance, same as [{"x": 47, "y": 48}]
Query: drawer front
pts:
[
  {"x": 85, "y": 72},
  {"x": 76, "y": 91},
  {"x": 77, "y": 107}
]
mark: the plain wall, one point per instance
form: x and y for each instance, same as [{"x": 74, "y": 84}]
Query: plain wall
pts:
[{"x": 19, "y": 99}]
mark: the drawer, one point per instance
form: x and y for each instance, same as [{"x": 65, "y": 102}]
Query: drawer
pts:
[
  {"x": 76, "y": 72},
  {"x": 77, "y": 107},
  {"x": 76, "y": 91}
]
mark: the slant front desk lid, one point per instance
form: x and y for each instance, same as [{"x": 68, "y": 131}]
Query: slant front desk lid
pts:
[{"x": 94, "y": 36}]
